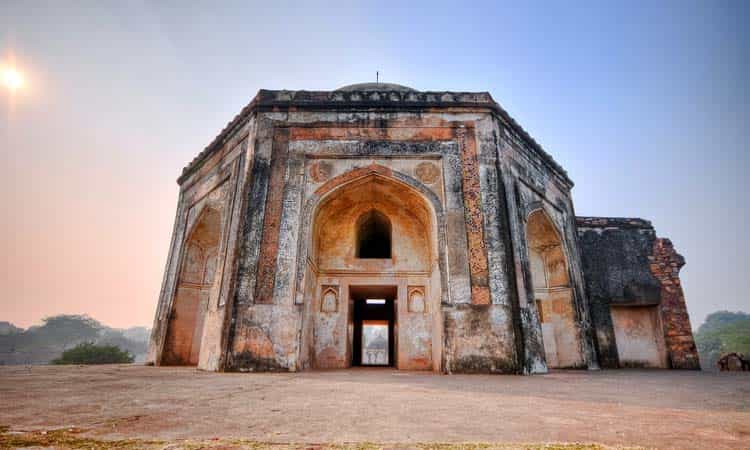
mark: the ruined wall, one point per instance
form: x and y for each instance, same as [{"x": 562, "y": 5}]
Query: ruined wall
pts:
[
  {"x": 665, "y": 266},
  {"x": 627, "y": 266}
]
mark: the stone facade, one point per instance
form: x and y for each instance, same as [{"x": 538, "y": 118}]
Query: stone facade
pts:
[{"x": 477, "y": 265}]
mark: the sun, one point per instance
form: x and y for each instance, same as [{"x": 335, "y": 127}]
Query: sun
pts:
[{"x": 11, "y": 78}]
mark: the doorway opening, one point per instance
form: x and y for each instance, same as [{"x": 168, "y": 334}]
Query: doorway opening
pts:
[{"x": 374, "y": 325}]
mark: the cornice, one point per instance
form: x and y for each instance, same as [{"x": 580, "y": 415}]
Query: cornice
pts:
[{"x": 371, "y": 100}]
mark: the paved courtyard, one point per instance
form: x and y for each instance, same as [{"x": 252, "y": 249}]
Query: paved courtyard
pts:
[{"x": 660, "y": 409}]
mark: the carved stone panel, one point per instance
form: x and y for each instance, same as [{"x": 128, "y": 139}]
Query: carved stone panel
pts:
[{"x": 427, "y": 172}]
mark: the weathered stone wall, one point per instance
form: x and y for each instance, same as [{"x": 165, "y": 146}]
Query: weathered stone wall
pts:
[
  {"x": 531, "y": 182},
  {"x": 626, "y": 265},
  {"x": 431, "y": 153},
  {"x": 457, "y": 178}
]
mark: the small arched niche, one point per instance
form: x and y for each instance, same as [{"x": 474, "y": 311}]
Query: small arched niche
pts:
[
  {"x": 552, "y": 291},
  {"x": 373, "y": 236}
]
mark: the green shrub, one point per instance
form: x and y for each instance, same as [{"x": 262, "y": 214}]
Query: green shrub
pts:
[{"x": 90, "y": 353}]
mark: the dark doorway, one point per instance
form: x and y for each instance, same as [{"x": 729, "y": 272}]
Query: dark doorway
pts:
[{"x": 374, "y": 320}]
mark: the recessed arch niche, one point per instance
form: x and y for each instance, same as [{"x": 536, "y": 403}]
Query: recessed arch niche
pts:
[
  {"x": 197, "y": 273},
  {"x": 384, "y": 209},
  {"x": 373, "y": 235},
  {"x": 392, "y": 214},
  {"x": 553, "y": 293}
]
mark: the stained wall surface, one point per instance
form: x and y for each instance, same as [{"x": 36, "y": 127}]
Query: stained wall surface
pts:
[{"x": 640, "y": 342}]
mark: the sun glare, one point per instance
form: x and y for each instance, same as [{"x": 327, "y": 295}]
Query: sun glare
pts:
[{"x": 11, "y": 78}]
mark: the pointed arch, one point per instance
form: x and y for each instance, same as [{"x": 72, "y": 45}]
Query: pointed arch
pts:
[
  {"x": 372, "y": 231},
  {"x": 553, "y": 293},
  {"x": 362, "y": 175},
  {"x": 196, "y": 276}
]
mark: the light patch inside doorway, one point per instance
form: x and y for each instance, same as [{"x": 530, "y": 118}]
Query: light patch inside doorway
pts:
[{"x": 375, "y": 342}]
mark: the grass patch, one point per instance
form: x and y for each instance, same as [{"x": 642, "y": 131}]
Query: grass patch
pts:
[
  {"x": 74, "y": 438},
  {"x": 69, "y": 438}
]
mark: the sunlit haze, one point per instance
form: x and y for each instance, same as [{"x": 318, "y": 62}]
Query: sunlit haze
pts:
[
  {"x": 11, "y": 78},
  {"x": 103, "y": 103}
]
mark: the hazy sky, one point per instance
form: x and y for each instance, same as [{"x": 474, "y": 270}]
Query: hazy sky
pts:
[{"x": 646, "y": 106}]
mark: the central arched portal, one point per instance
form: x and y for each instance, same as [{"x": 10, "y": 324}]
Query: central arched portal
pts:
[{"x": 377, "y": 291}]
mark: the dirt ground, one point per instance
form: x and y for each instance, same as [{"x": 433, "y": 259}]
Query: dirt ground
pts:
[{"x": 662, "y": 409}]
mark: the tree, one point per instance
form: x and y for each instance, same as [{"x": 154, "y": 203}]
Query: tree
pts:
[
  {"x": 717, "y": 320},
  {"x": 110, "y": 336},
  {"x": 69, "y": 329},
  {"x": 40, "y": 344},
  {"x": 90, "y": 353},
  {"x": 723, "y": 332}
]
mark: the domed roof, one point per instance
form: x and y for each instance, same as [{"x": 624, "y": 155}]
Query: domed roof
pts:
[{"x": 376, "y": 87}]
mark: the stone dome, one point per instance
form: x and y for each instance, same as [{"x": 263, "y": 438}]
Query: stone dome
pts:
[{"x": 367, "y": 87}]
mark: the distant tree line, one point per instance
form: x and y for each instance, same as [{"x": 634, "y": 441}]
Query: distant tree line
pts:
[
  {"x": 723, "y": 332},
  {"x": 47, "y": 342}
]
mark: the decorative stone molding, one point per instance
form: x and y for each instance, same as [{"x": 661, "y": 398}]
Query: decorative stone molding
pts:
[{"x": 387, "y": 98}]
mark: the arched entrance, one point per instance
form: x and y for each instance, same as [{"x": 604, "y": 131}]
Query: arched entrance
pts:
[
  {"x": 185, "y": 328},
  {"x": 373, "y": 247},
  {"x": 552, "y": 292}
]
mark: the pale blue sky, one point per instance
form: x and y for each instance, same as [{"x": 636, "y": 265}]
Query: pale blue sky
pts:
[{"x": 645, "y": 104}]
